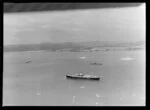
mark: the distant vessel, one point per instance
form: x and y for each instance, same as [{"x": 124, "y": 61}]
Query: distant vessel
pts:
[
  {"x": 95, "y": 63},
  {"x": 82, "y": 76},
  {"x": 28, "y": 62}
]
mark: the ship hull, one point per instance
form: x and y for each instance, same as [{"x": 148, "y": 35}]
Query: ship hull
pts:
[{"x": 86, "y": 78}]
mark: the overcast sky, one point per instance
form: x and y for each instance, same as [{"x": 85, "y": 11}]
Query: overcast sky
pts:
[{"x": 113, "y": 24}]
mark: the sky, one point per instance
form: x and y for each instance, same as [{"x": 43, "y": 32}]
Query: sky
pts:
[{"x": 112, "y": 24}]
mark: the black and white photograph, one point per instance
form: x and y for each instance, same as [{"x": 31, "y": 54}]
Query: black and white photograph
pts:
[{"x": 74, "y": 54}]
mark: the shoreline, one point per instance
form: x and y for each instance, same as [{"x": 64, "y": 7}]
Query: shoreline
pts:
[{"x": 103, "y": 49}]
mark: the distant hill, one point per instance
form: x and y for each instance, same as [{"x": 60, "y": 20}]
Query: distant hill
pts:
[
  {"x": 69, "y": 45},
  {"x": 43, "y": 46},
  {"x": 110, "y": 43}
]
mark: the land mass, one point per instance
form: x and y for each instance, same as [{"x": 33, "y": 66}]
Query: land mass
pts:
[{"x": 77, "y": 47}]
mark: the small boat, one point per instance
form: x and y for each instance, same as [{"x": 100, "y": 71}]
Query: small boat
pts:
[
  {"x": 28, "y": 62},
  {"x": 95, "y": 64},
  {"x": 82, "y": 76}
]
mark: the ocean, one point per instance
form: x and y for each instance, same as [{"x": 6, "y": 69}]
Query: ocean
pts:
[{"x": 42, "y": 81}]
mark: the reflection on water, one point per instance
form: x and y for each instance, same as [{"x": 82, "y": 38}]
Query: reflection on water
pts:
[
  {"x": 121, "y": 98},
  {"x": 97, "y": 95},
  {"x": 73, "y": 100},
  {"x": 82, "y": 57},
  {"x": 127, "y": 58},
  {"x": 82, "y": 87},
  {"x": 38, "y": 93}
]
